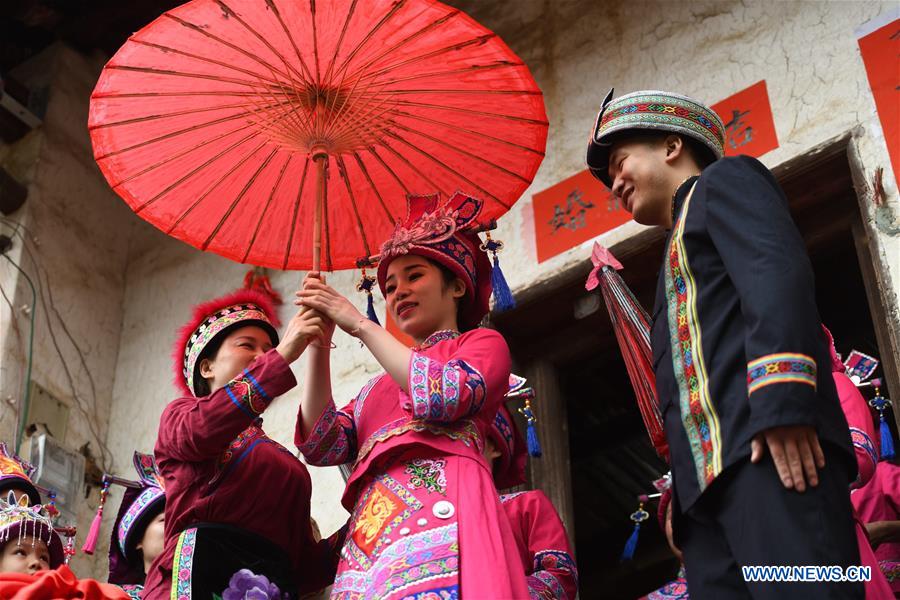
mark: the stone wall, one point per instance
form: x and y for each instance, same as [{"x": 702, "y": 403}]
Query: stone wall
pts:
[{"x": 75, "y": 232}]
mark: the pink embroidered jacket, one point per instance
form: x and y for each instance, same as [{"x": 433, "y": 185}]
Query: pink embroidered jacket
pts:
[
  {"x": 455, "y": 386},
  {"x": 879, "y": 500}
]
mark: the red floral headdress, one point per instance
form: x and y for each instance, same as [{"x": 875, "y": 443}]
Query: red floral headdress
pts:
[{"x": 210, "y": 321}]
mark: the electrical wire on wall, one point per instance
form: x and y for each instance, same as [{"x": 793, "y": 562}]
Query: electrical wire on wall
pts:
[
  {"x": 20, "y": 418},
  {"x": 44, "y": 292}
]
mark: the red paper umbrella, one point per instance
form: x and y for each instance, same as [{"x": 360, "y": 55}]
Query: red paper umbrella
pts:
[
  {"x": 264, "y": 130},
  {"x": 632, "y": 326}
]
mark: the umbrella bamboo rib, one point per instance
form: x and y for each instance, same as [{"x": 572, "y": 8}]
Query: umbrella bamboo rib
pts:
[
  {"x": 265, "y": 209},
  {"x": 262, "y": 39},
  {"x": 184, "y": 152},
  {"x": 365, "y": 39},
  {"x": 203, "y": 59},
  {"x": 218, "y": 93},
  {"x": 184, "y": 177},
  {"x": 271, "y": 5},
  {"x": 173, "y": 134},
  {"x": 448, "y": 168},
  {"x": 399, "y": 181},
  {"x": 468, "y": 92},
  {"x": 365, "y": 171},
  {"x": 342, "y": 171},
  {"x": 209, "y": 189},
  {"x": 337, "y": 46},
  {"x": 315, "y": 37},
  {"x": 470, "y": 111},
  {"x": 290, "y": 240},
  {"x": 239, "y": 197},
  {"x": 453, "y": 47},
  {"x": 461, "y": 151},
  {"x": 225, "y": 43},
  {"x": 469, "y": 69},
  {"x": 360, "y": 70},
  {"x": 466, "y": 130},
  {"x": 178, "y": 113},
  {"x": 170, "y": 73},
  {"x": 415, "y": 169}
]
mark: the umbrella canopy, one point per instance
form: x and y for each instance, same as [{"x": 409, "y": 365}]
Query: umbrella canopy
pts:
[
  {"x": 262, "y": 129},
  {"x": 632, "y": 326}
]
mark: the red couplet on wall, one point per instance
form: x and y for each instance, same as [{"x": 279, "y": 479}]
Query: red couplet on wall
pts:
[
  {"x": 749, "y": 127},
  {"x": 573, "y": 211},
  {"x": 880, "y": 50}
]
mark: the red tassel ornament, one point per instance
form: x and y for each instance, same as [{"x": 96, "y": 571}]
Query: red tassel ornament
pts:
[{"x": 90, "y": 542}]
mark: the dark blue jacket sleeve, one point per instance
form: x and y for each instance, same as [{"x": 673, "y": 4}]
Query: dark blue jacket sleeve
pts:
[{"x": 764, "y": 255}]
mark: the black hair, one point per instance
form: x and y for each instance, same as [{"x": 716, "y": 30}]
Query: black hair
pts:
[
  {"x": 201, "y": 385},
  {"x": 447, "y": 279},
  {"x": 446, "y": 273},
  {"x": 698, "y": 151}
]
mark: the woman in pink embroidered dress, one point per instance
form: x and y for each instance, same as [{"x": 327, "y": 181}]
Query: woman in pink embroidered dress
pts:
[
  {"x": 426, "y": 520},
  {"x": 863, "y": 434}
]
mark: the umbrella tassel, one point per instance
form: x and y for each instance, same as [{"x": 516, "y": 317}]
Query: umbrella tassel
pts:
[
  {"x": 637, "y": 517},
  {"x": 90, "y": 542},
  {"x": 365, "y": 285},
  {"x": 531, "y": 437},
  {"x": 503, "y": 298},
  {"x": 370, "y": 309}
]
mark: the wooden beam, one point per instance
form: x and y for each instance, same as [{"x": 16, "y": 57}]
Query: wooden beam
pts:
[
  {"x": 876, "y": 279},
  {"x": 880, "y": 320},
  {"x": 552, "y": 473}
]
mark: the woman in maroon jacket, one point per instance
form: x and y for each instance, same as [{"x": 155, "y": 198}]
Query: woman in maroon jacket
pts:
[{"x": 235, "y": 499}]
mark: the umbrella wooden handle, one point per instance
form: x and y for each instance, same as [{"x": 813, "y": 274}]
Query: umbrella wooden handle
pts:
[{"x": 320, "y": 158}]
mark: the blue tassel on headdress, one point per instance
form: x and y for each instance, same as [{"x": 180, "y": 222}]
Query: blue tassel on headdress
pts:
[
  {"x": 631, "y": 545},
  {"x": 880, "y": 403},
  {"x": 366, "y": 283},
  {"x": 531, "y": 437},
  {"x": 887, "y": 440},
  {"x": 503, "y": 298}
]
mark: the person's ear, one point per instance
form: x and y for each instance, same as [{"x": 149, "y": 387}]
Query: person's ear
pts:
[
  {"x": 674, "y": 147},
  {"x": 459, "y": 288},
  {"x": 205, "y": 369}
]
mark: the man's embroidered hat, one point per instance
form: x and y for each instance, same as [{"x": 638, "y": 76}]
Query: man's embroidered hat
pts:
[
  {"x": 27, "y": 524},
  {"x": 16, "y": 472},
  {"x": 446, "y": 233},
  {"x": 651, "y": 110},
  {"x": 142, "y": 501},
  {"x": 214, "y": 320}
]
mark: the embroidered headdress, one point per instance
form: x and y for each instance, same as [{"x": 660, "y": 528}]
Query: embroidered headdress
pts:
[
  {"x": 509, "y": 468},
  {"x": 447, "y": 233},
  {"x": 27, "y": 524},
  {"x": 142, "y": 501},
  {"x": 212, "y": 321},
  {"x": 652, "y": 110},
  {"x": 16, "y": 472}
]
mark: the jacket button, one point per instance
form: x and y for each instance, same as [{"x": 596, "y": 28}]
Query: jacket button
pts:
[{"x": 443, "y": 509}]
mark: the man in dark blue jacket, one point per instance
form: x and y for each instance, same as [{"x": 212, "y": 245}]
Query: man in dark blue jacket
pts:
[{"x": 760, "y": 450}]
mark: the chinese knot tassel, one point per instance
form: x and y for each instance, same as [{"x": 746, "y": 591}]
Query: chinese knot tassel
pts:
[{"x": 90, "y": 542}]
